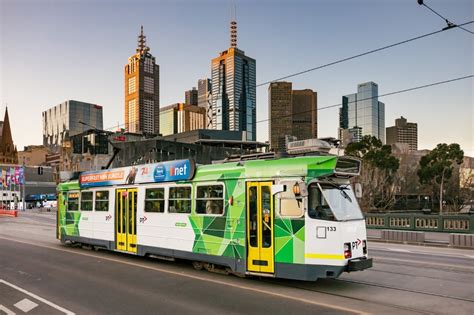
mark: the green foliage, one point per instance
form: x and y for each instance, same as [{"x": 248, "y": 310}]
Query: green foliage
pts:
[
  {"x": 378, "y": 172},
  {"x": 373, "y": 152},
  {"x": 437, "y": 166}
]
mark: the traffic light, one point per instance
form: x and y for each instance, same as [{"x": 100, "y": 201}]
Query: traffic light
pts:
[{"x": 40, "y": 170}]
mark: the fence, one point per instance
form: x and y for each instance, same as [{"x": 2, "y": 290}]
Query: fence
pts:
[{"x": 421, "y": 222}]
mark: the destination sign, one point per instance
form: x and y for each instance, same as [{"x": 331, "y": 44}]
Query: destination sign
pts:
[{"x": 168, "y": 171}]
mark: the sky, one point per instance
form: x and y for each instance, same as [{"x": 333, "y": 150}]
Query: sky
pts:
[{"x": 52, "y": 51}]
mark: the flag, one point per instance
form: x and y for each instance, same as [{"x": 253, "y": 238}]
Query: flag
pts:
[
  {"x": 4, "y": 178},
  {"x": 7, "y": 177},
  {"x": 22, "y": 175},
  {"x": 17, "y": 175}
]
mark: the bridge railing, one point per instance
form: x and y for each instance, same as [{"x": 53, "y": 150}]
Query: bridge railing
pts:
[{"x": 447, "y": 223}]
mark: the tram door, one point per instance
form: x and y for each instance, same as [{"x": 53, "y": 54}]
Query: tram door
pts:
[
  {"x": 260, "y": 227},
  {"x": 126, "y": 219}
]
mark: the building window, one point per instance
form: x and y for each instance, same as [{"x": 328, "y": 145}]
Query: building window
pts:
[
  {"x": 149, "y": 85},
  {"x": 102, "y": 200},
  {"x": 73, "y": 201},
  {"x": 155, "y": 200},
  {"x": 149, "y": 65},
  {"x": 132, "y": 85},
  {"x": 210, "y": 199},
  {"x": 180, "y": 200}
]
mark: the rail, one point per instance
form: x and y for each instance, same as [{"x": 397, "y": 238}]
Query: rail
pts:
[{"x": 456, "y": 223}]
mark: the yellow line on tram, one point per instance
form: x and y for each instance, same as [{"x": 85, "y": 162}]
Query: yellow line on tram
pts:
[{"x": 324, "y": 256}]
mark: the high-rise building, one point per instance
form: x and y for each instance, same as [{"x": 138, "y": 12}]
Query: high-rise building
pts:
[
  {"x": 292, "y": 113},
  {"x": 362, "y": 114},
  {"x": 8, "y": 151},
  {"x": 280, "y": 114},
  {"x": 305, "y": 103},
  {"x": 142, "y": 91},
  {"x": 233, "y": 102},
  {"x": 403, "y": 132},
  {"x": 204, "y": 96},
  {"x": 180, "y": 117},
  {"x": 64, "y": 120},
  {"x": 191, "y": 97}
]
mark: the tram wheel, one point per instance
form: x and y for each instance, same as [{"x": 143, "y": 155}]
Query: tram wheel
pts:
[{"x": 198, "y": 265}]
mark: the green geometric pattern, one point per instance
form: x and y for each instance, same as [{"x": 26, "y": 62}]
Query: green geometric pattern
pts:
[
  {"x": 71, "y": 226},
  {"x": 289, "y": 240},
  {"x": 222, "y": 236}
]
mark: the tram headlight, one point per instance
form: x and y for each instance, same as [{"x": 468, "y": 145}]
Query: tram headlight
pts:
[
  {"x": 347, "y": 250},
  {"x": 364, "y": 247}
]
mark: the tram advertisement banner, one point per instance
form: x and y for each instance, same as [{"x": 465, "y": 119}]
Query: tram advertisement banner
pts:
[{"x": 148, "y": 173}]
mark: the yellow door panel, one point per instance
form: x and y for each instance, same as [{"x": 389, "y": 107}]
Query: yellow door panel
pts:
[
  {"x": 260, "y": 215},
  {"x": 132, "y": 220},
  {"x": 253, "y": 251}
]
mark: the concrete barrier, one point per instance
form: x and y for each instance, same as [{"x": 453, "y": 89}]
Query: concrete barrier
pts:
[
  {"x": 10, "y": 213},
  {"x": 403, "y": 236},
  {"x": 461, "y": 240}
]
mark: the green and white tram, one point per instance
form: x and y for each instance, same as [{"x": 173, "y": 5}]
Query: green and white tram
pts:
[{"x": 293, "y": 218}]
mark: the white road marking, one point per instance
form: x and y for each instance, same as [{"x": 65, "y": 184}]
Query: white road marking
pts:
[
  {"x": 25, "y": 305},
  {"x": 59, "y": 308},
  {"x": 183, "y": 274},
  {"x": 6, "y": 310}
]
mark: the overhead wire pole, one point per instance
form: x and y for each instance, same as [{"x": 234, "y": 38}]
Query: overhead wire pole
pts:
[
  {"x": 362, "y": 54},
  {"x": 448, "y": 22}
]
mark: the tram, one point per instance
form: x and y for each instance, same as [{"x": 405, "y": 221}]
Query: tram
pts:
[{"x": 294, "y": 218}]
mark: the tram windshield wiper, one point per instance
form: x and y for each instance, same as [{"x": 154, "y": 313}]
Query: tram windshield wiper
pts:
[{"x": 341, "y": 189}]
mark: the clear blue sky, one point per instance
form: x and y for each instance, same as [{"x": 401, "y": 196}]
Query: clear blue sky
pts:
[{"x": 52, "y": 51}]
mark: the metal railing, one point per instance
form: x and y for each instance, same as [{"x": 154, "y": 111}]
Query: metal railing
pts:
[{"x": 421, "y": 222}]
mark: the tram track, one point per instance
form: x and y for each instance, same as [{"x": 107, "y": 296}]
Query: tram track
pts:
[
  {"x": 383, "y": 304},
  {"x": 417, "y": 276},
  {"x": 406, "y": 290}
]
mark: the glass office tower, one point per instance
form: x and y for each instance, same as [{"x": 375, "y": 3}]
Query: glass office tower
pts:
[{"x": 363, "y": 112}]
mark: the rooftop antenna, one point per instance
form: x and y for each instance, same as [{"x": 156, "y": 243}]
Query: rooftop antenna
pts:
[
  {"x": 233, "y": 26},
  {"x": 142, "y": 47}
]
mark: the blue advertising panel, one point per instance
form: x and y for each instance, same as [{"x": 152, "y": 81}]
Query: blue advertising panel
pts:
[{"x": 168, "y": 171}]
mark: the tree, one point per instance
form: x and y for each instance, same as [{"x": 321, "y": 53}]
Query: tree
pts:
[
  {"x": 378, "y": 169},
  {"x": 437, "y": 167}
]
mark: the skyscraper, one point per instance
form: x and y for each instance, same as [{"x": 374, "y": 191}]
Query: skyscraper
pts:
[
  {"x": 233, "y": 102},
  {"x": 403, "y": 132},
  {"x": 362, "y": 112},
  {"x": 191, "y": 97},
  {"x": 142, "y": 91},
  {"x": 204, "y": 96},
  {"x": 305, "y": 113},
  {"x": 292, "y": 113}
]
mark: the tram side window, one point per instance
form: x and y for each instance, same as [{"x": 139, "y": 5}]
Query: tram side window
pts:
[
  {"x": 155, "y": 200},
  {"x": 102, "y": 200},
  {"x": 210, "y": 199},
  {"x": 291, "y": 204},
  {"x": 86, "y": 201},
  {"x": 73, "y": 201},
  {"x": 180, "y": 200}
]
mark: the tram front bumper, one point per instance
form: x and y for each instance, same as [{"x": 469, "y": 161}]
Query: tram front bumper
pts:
[{"x": 359, "y": 264}]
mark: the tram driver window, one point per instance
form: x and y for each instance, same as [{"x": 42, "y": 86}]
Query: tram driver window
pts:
[
  {"x": 86, "y": 201},
  {"x": 318, "y": 208},
  {"x": 180, "y": 200},
  {"x": 155, "y": 200},
  {"x": 291, "y": 205},
  {"x": 73, "y": 201},
  {"x": 210, "y": 199},
  {"x": 102, "y": 200}
]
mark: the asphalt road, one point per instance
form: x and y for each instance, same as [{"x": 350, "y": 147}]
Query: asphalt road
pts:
[{"x": 36, "y": 270}]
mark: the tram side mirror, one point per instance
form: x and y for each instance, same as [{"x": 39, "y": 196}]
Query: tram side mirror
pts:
[
  {"x": 278, "y": 189},
  {"x": 358, "y": 190}
]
